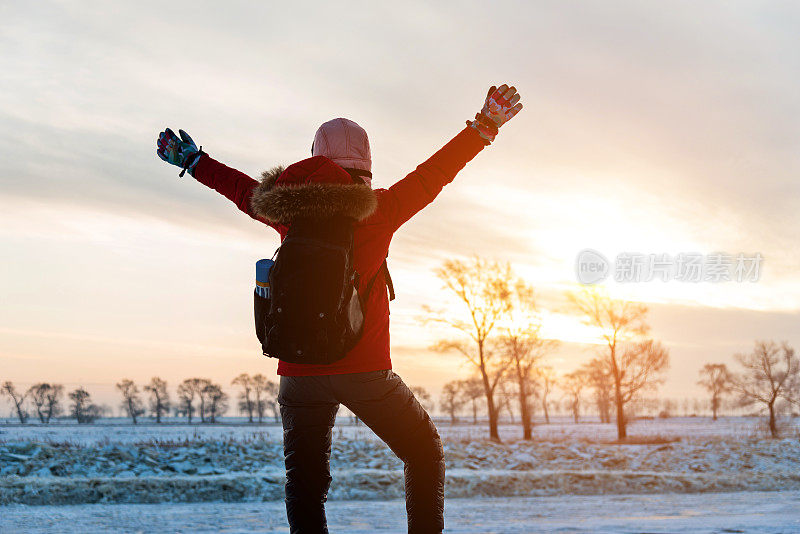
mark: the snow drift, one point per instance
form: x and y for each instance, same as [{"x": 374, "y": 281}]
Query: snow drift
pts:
[{"x": 252, "y": 469}]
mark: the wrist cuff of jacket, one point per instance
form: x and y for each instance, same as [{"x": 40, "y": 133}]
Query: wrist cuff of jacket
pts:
[
  {"x": 191, "y": 163},
  {"x": 485, "y": 127}
]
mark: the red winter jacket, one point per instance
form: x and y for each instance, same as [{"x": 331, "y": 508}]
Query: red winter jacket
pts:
[{"x": 372, "y": 234}]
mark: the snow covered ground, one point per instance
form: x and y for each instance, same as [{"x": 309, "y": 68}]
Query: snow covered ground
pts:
[
  {"x": 561, "y": 428},
  {"x": 688, "y": 475},
  {"x": 744, "y": 512},
  {"x": 71, "y": 464}
]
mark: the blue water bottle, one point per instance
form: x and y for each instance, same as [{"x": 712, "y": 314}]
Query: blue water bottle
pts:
[
  {"x": 261, "y": 301},
  {"x": 262, "y": 277}
]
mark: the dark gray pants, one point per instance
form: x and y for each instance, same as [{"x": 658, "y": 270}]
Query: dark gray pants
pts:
[{"x": 385, "y": 404}]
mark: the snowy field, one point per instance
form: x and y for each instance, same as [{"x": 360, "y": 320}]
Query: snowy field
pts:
[
  {"x": 680, "y": 475},
  {"x": 717, "y": 513},
  {"x": 560, "y": 429}
]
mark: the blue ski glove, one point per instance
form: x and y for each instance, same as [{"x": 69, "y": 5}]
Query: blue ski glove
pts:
[
  {"x": 181, "y": 152},
  {"x": 500, "y": 107}
]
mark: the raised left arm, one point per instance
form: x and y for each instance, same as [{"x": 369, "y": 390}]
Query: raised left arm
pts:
[{"x": 235, "y": 185}]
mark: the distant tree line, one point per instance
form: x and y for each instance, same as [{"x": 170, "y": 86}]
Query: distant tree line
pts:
[
  {"x": 46, "y": 402},
  {"x": 197, "y": 398},
  {"x": 498, "y": 329},
  {"x": 768, "y": 383}
]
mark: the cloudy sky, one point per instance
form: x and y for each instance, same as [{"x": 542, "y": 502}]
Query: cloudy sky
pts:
[{"x": 649, "y": 129}]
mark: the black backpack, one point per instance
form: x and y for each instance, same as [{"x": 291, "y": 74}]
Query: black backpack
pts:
[{"x": 314, "y": 313}]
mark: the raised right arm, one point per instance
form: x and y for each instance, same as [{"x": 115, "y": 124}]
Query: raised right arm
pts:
[{"x": 408, "y": 196}]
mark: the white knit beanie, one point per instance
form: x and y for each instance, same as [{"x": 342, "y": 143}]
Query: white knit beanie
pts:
[{"x": 346, "y": 144}]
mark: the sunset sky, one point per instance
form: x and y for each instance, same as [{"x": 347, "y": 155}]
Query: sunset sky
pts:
[{"x": 650, "y": 128}]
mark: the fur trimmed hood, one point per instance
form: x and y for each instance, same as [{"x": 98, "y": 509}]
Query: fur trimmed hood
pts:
[{"x": 315, "y": 188}]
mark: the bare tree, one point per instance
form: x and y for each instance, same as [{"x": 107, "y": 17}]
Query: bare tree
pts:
[
  {"x": 523, "y": 347},
  {"x": 472, "y": 393},
  {"x": 259, "y": 391},
  {"x": 246, "y": 403},
  {"x": 546, "y": 378},
  {"x": 482, "y": 288},
  {"x": 265, "y": 394},
  {"x": 451, "y": 399},
  {"x": 82, "y": 409},
  {"x": 770, "y": 372},
  {"x": 573, "y": 385},
  {"x": 38, "y": 395},
  {"x": 187, "y": 393},
  {"x": 53, "y": 398},
  {"x": 491, "y": 374},
  {"x": 202, "y": 385},
  {"x": 509, "y": 395},
  {"x": 716, "y": 379},
  {"x": 193, "y": 389},
  {"x": 634, "y": 364},
  {"x": 159, "y": 397},
  {"x": 131, "y": 401},
  {"x": 599, "y": 379},
  {"x": 640, "y": 364},
  {"x": 217, "y": 400},
  {"x": 272, "y": 401},
  {"x": 17, "y": 399}
]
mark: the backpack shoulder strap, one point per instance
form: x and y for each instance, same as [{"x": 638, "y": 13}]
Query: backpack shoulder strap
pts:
[
  {"x": 384, "y": 270},
  {"x": 389, "y": 283}
]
